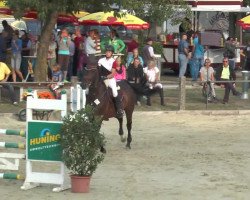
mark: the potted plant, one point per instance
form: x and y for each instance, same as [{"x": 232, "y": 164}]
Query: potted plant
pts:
[{"x": 81, "y": 141}]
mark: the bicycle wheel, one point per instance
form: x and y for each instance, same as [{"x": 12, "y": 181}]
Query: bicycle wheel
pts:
[{"x": 22, "y": 115}]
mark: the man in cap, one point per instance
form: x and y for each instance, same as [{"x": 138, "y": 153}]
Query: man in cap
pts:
[{"x": 148, "y": 51}]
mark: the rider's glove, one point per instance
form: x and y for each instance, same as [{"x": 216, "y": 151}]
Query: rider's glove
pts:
[{"x": 104, "y": 77}]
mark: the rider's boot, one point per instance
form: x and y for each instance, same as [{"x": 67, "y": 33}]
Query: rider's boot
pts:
[
  {"x": 162, "y": 97},
  {"x": 118, "y": 105},
  {"x": 148, "y": 101}
]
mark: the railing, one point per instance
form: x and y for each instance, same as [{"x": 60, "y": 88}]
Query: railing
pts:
[{"x": 180, "y": 95}]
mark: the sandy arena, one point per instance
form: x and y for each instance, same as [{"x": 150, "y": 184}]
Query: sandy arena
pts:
[{"x": 173, "y": 156}]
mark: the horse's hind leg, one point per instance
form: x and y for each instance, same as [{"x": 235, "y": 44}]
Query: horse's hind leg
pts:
[{"x": 121, "y": 133}]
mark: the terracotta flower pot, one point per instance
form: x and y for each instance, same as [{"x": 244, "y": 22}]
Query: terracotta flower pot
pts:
[{"x": 80, "y": 184}]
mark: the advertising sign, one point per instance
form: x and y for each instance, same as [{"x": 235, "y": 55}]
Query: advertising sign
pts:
[{"x": 43, "y": 141}]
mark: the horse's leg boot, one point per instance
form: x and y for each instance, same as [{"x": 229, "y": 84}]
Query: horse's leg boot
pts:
[
  {"x": 148, "y": 101},
  {"x": 118, "y": 105},
  {"x": 162, "y": 97}
]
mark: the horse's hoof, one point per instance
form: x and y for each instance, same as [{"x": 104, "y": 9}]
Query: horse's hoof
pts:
[
  {"x": 128, "y": 146},
  {"x": 103, "y": 150},
  {"x": 123, "y": 139}
]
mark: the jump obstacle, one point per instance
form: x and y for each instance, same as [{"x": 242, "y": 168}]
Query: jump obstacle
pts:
[
  {"x": 10, "y": 161},
  {"x": 77, "y": 98},
  {"x": 39, "y": 146}
]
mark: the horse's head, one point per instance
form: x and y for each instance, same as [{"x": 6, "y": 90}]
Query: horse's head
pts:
[{"x": 90, "y": 77}]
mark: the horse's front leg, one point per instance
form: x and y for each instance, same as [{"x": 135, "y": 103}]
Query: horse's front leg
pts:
[
  {"x": 123, "y": 138},
  {"x": 129, "y": 127}
]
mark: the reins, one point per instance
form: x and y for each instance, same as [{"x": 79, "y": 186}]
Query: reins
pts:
[{"x": 95, "y": 88}]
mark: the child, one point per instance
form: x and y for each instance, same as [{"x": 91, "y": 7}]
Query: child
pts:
[
  {"x": 120, "y": 69},
  {"x": 57, "y": 74}
]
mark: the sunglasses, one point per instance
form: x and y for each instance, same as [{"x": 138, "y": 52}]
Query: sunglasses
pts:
[{"x": 225, "y": 61}]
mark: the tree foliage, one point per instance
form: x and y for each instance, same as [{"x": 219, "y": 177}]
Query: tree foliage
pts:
[
  {"x": 151, "y": 11},
  {"x": 158, "y": 10}
]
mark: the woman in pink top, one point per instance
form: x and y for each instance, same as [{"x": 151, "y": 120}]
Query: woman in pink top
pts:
[{"x": 120, "y": 69}]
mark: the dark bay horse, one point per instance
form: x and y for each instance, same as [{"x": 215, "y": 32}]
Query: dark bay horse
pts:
[{"x": 101, "y": 98}]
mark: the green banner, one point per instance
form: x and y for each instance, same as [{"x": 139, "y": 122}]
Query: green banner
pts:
[{"x": 43, "y": 141}]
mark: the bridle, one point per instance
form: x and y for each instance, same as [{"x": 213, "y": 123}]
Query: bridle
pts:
[{"x": 95, "y": 87}]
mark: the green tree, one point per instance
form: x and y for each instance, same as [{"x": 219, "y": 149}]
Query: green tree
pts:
[{"x": 151, "y": 11}]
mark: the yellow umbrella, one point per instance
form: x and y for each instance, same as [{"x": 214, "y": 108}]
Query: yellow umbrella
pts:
[
  {"x": 5, "y": 10},
  {"x": 80, "y": 14},
  {"x": 108, "y": 19}
]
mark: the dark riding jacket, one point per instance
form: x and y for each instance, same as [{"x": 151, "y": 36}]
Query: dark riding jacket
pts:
[{"x": 232, "y": 75}]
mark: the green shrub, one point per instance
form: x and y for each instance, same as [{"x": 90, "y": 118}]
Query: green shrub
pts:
[{"x": 81, "y": 141}]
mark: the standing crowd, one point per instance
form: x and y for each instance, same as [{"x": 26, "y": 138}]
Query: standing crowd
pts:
[{"x": 68, "y": 54}]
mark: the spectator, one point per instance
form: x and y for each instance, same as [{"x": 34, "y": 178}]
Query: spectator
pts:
[
  {"x": 136, "y": 77},
  {"x": 115, "y": 41},
  {"x": 78, "y": 40},
  {"x": 34, "y": 44},
  {"x": 57, "y": 75},
  {"x": 3, "y": 46},
  {"x": 16, "y": 49},
  {"x": 82, "y": 59},
  {"x": 184, "y": 55},
  {"x": 52, "y": 51},
  {"x": 4, "y": 75},
  {"x": 148, "y": 52},
  {"x": 9, "y": 30},
  {"x": 131, "y": 57},
  {"x": 71, "y": 58},
  {"x": 26, "y": 47},
  {"x": 97, "y": 41},
  {"x": 152, "y": 74},
  {"x": 230, "y": 47},
  {"x": 63, "y": 52},
  {"x": 227, "y": 73},
  {"x": 133, "y": 44},
  {"x": 197, "y": 60},
  {"x": 247, "y": 55},
  {"x": 120, "y": 69},
  {"x": 207, "y": 78},
  {"x": 90, "y": 47}
]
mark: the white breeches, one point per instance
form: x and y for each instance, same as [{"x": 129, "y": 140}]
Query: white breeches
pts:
[
  {"x": 112, "y": 84},
  {"x": 155, "y": 85}
]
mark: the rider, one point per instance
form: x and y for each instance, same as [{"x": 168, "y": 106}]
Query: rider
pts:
[{"x": 108, "y": 71}]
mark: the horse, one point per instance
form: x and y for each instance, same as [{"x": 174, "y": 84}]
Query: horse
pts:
[{"x": 100, "y": 96}]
